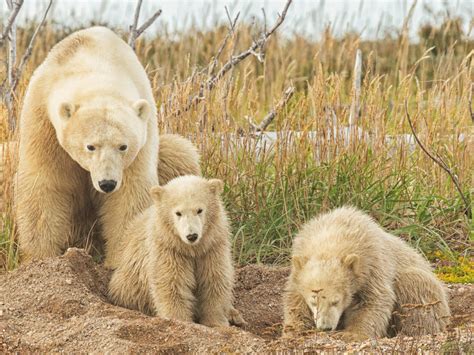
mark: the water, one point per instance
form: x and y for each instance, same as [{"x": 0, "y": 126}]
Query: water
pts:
[{"x": 370, "y": 18}]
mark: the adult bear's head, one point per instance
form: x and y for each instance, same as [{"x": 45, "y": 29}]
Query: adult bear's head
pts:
[{"x": 104, "y": 137}]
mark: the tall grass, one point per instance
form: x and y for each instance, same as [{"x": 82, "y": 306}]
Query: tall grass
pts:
[{"x": 272, "y": 189}]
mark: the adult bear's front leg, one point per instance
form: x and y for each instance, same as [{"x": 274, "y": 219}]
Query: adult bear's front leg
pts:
[{"x": 45, "y": 212}]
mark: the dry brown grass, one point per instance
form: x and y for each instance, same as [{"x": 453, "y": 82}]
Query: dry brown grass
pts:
[{"x": 270, "y": 192}]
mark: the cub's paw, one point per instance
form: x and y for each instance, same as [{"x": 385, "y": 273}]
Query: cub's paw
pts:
[
  {"x": 350, "y": 337},
  {"x": 235, "y": 318},
  {"x": 214, "y": 322},
  {"x": 292, "y": 330}
]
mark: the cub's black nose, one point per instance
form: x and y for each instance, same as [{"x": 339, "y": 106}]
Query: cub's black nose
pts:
[
  {"x": 107, "y": 185},
  {"x": 192, "y": 237}
]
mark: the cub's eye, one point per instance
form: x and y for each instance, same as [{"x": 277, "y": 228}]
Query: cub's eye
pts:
[
  {"x": 335, "y": 303},
  {"x": 199, "y": 211},
  {"x": 90, "y": 148},
  {"x": 178, "y": 214},
  {"x": 123, "y": 147}
]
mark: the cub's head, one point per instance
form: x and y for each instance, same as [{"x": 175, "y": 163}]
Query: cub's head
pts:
[
  {"x": 103, "y": 138},
  {"x": 188, "y": 204},
  {"x": 327, "y": 286}
]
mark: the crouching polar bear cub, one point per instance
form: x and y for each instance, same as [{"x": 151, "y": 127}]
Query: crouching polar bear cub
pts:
[
  {"x": 175, "y": 259},
  {"x": 88, "y": 149},
  {"x": 349, "y": 274}
]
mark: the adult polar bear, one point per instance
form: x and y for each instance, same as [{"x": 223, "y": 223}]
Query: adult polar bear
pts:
[{"x": 88, "y": 148}]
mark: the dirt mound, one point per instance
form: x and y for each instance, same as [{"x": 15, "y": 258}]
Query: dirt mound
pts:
[{"x": 60, "y": 305}]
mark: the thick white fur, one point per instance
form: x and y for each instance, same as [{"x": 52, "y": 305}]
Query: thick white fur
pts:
[
  {"x": 161, "y": 272},
  {"x": 348, "y": 273}
]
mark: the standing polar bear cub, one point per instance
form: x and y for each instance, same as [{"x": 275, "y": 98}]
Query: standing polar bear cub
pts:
[
  {"x": 348, "y": 273},
  {"x": 175, "y": 259}
]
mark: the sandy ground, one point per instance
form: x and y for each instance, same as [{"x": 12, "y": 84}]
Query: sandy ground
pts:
[{"x": 60, "y": 305}]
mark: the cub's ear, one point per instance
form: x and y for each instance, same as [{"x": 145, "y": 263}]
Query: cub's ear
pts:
[
  {"x": 299, "y": 261},
  {"x": 216, "y": 186},
  {"x": 352, "y": 262},
  {"x": 141, "y": 108},
  {"x": 66, "y": 110},
  {"x": 156, "y": 193}
]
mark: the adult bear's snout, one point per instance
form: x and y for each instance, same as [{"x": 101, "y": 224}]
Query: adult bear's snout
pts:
[
  {"x": 192, "y": 237},
  {"x": 107, "y": 185}
]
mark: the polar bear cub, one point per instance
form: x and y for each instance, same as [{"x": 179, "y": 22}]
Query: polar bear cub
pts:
[
  {"x": 175, "y": 259},
  {"x": 349, "y": 274}
]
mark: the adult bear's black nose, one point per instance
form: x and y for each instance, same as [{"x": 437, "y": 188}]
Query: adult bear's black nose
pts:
[
  {"x": 192, "y": 237},
  {"x": 107, "y": 185}
]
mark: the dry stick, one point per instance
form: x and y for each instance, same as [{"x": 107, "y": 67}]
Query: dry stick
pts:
[
  {"x": 29, "y": 49},
  {"x": 438, "y": 160},
  {"x": 234, "y": 60},
  {"x": 355, "y": 107},
  {"x": 226, "y": 38},
  {"x": 136, "y": 31},
  {"x": 11, "y": 71},
  {"x": 273, "y": 112},
  {"x": 14, "y": 74},
  {"x": 15, "y": 7},
  {"x": 470, "y": 102}
]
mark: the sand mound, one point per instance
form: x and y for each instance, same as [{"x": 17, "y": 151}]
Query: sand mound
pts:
[{"x": 60, "y": 305}]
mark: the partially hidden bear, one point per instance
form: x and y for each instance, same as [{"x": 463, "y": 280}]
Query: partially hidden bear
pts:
[
  {"x": 175, "y": 259},
  {"x": 349, "y": 274},
  {"x": 88, "y": 148}
]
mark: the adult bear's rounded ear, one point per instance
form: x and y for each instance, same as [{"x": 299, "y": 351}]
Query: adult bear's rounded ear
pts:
[
  {"x": 299, "y": 261},
  {"x": 352, "y": 262},
  {"x": 141, "y": 108},
  {"x": 156, "y": 193},
  {"x": 66, "y": 110},
  {"x": 216, "y": 186}
]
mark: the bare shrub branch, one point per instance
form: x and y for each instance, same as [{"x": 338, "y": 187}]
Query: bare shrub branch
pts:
[
  {"x": 26, "y": 56},
  {"x": 255, "y": 49},
  {"x": 14, "y": 7},
  {"x": 438, "y": 160},
  {"x": 470, "y": 102},
  {"x": 355, "y": 106},
  {"x": 14, "y": 72},
  {"x": 268, "y": 119},
  {"x": 136, "y": 31}
]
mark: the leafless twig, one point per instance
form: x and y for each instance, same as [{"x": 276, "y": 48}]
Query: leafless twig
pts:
[
  {"x": 255, "y": 49},
  {"x": 438, "y": 160},
  {"x": 232, "y": 24},
  {"x": 14, "y": 7},
  {"x": 136, "y": 31},
  {"x": 355, "y": 107},
  {"x": 470, "y": 102},
  {"x": 26, "y": 56},
  {"x": 14, "y": 72},
  {"x": 267, "y": 120}
]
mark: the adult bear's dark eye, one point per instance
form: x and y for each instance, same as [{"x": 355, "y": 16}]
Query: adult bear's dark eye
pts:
[
  {"x": 199, "y": 211},
  {"x": 178, "y": 214},
  {"x": 123, "y": 148},
  {"x": 90, "y": 148}
]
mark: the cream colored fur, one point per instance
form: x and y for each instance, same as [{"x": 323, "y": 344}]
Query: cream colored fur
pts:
[
  {"x": 91, "y": 90},
  {"x": 348, "y": 273},
  {"x": 164, "y": 274}
]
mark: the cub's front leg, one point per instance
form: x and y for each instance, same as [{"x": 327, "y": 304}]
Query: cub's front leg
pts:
[
  {"x": 297, "y": 315},
  {"x": 171, "y": 287},
  {"x": 214, "y": 274}
]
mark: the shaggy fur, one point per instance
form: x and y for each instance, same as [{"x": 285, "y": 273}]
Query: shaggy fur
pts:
[
  {"x": 161, "y": 273},
  {"x": 348, "y": 273},
  {"x": 177, "y": 157},
  {"x": 90, "y": 90}
]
